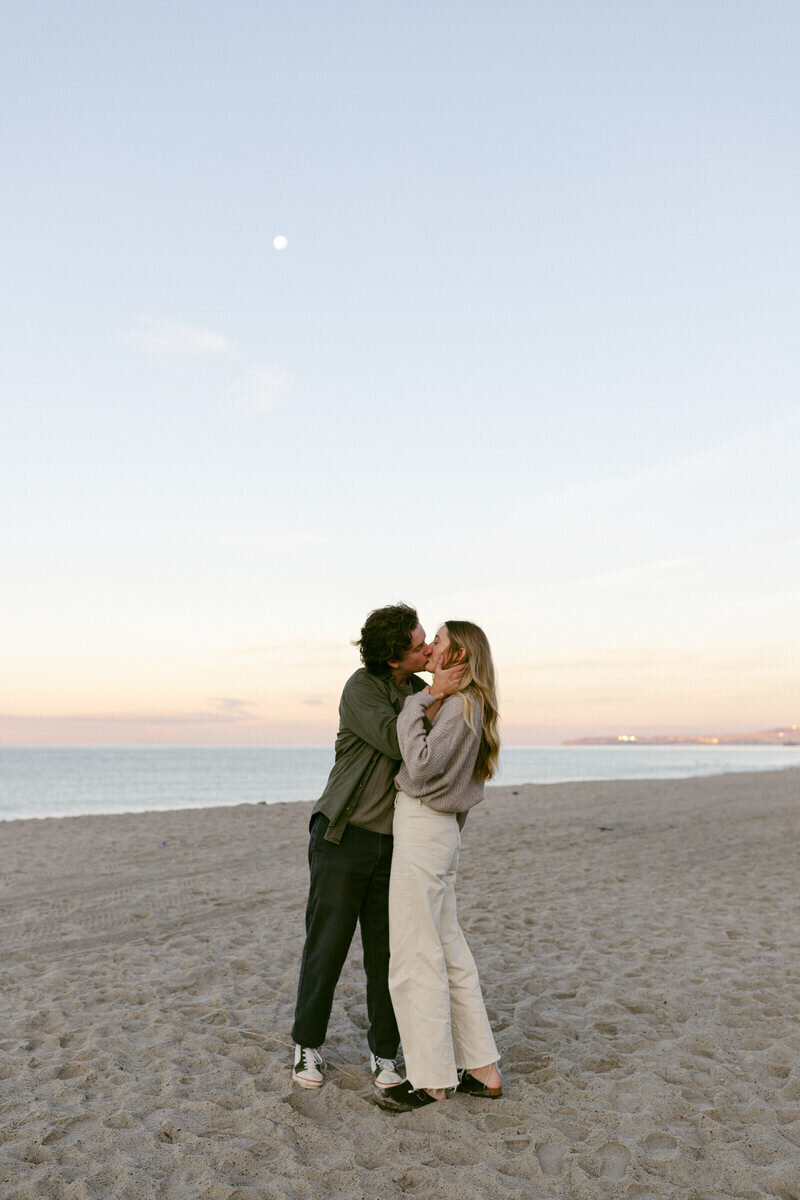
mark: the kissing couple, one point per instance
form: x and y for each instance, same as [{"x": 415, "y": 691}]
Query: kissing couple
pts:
[{"x": 412, "y": 759}]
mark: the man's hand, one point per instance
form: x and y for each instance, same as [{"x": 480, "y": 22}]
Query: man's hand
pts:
[{"x": 446, "y": 682}]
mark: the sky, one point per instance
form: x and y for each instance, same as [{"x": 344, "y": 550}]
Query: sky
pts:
[{"x": 530, "y": 358}]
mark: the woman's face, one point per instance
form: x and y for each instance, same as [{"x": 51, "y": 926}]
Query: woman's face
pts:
[{"x": 440, "y": 649}]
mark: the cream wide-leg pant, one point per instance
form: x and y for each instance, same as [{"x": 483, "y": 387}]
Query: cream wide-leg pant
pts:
[{"x": 433, "y": 979}]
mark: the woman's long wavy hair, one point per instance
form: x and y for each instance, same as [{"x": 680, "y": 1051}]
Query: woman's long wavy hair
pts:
[{"x": 470, "y": 646}]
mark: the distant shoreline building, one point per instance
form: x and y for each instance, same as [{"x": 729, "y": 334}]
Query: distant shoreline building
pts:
[{"x": 788, "y": 735}]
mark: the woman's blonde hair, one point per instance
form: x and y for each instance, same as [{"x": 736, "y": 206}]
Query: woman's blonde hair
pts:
[{"x": 470, "y": 647}]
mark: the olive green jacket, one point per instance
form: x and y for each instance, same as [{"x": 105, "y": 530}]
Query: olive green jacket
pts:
[{"x": 368, "y": 713}]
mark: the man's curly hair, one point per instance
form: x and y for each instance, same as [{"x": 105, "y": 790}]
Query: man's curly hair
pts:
[{"x": 386, "y": 636}]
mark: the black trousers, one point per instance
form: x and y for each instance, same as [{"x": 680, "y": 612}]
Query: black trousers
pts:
[{"x": 349, "y": 885}]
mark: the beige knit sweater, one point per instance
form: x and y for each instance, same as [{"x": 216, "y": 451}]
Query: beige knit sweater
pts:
[{"x": 438, "y": 763}]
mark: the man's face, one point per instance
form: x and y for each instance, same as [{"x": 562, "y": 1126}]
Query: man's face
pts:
[{"x": 415, "y": 658}]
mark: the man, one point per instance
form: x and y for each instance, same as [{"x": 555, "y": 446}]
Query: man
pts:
[{"x": 350, "y": 848}]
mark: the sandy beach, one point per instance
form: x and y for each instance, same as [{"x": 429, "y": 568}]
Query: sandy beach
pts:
[{"x": 639, "y": 947}]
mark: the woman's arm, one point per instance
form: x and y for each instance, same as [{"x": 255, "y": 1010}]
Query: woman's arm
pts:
[
  {"x": 427, "y": 753},
  {"x": 446, "y": 682}
]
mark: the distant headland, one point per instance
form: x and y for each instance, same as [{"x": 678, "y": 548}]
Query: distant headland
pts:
[{"x": 789, "y": 735}]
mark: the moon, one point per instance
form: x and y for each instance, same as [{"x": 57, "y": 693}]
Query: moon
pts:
[{"x": 280, "y": 242}]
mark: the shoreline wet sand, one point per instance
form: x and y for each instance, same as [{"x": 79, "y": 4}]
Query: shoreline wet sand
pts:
[{"x": 638, "y": 947}]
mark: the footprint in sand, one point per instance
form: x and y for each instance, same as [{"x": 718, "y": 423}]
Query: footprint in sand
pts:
[
  {"x": 121, "y": 1120},
  {"x": 551, "y": 1156},
  {"x": 614, "y": 1160},
  {"x": 609, "y": 1162},
  {"x": 697, "y": 1101},
  {"x": 776, "y": 1076},
  {"x": 660, "y": 1146},
  {"x": 71, "y": 1072}
]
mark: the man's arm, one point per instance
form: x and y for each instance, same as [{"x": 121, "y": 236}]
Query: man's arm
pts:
[{"x": 367, "y": 711}]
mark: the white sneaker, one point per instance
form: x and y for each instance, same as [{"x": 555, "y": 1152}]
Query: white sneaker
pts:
[
  {"x": 308, "y": 1067},
  {"x": 385, "y": 1071}
]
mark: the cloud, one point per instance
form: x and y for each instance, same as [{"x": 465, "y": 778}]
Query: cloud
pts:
[
  {"x": 764, "y": 658},
  {"x": 260, "y": 390},
  {"x": 222, "y": 712},
  {"x": 176, "y": 337},
  {"x": 766, "y": 444},
  {"x": 739, "y": 551},
  {"x": 232, "y": 709}
]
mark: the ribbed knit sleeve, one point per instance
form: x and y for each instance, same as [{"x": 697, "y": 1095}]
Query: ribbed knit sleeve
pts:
[{"x": 438, "y": 762}]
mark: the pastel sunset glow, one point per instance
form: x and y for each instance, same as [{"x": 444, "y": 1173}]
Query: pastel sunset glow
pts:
[{"x": 528, "y": 355}]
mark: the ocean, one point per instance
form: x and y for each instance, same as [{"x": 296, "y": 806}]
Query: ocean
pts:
[{"x": 76, "y": 781}]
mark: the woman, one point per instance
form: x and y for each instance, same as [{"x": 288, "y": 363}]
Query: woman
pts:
[{"x": 433, "y": 981}]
